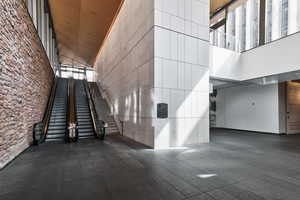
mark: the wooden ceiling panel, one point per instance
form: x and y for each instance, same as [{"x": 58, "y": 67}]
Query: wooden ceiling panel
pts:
[
  {"x": 81, "y": 27},
  {"x": 215, "y": 5}
]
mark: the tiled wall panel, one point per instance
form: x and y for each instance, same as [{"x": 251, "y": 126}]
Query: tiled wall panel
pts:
[
  {"x": 157, "y": 51},
  {"x": 125, "y": 69},
  {"x": 181, "y": 72}
]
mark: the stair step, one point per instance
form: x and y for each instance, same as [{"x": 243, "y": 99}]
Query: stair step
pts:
[
  {"x": 57, "y": 127},
  {"x": 58, "y": 117},
  {"x": 83, "y": 117},
  {"x": 54, "y": 132},
  {"x": 54, "y": 139},
  {"x": 85, "y": 126},
  {"x": 57, "y": 123},
  {"x": 55, "y": 136},
  {"x": 85, "y": 134},
  {"x": 54, "y": 121},
  {"x": 82, "y": 112},
  {"x": 88, "y": 130},
  {"x": 57, "y": 114}
]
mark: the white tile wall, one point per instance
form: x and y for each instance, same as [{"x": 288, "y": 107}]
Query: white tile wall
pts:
[
  {"x": 159, "y": 53},
  {"x": 181, "y": 56},
  {"x": 125, "y": 67}
]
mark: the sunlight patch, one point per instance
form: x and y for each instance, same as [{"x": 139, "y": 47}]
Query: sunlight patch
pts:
[{"x": 206, "y": 175}]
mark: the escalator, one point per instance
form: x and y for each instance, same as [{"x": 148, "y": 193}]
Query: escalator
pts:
[
  {"x": 70, "y": 105},
  {"x": 58, "y": 118},
  {"x": 84, "y": 119}
]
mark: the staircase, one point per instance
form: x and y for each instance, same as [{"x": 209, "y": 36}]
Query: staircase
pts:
[
  {"x": 103, "y": 110},
  {"x": 58, "y": 125},
  {"x": 112, "y": 126},
  {"x": 84, "y": 120}
]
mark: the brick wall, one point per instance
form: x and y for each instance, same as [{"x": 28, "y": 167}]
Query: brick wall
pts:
[{"x": 25, "y": 79}]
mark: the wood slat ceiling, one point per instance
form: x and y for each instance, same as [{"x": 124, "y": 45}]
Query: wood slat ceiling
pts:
[
  {"x": 81, "y": 26},
  {"x": 217, "y": 4}
]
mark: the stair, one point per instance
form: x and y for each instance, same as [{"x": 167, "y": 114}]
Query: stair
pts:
[
  {"x": 103, "y": 110},
  {"x": 58, "y": 125},
  {"x": 84, "y": 120}
]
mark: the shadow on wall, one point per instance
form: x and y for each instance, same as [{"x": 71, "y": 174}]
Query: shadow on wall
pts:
[
  {"x": 188, "y": 122},
  {"x": 188, "y": 114}
]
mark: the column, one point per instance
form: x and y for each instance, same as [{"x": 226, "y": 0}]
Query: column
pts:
[
  {"x": 230, "y": 31},
  {"x": 251, "y": 24},
  {"x": 221, "y": 38},
  {"x": 181, "y": 72},
  {"x": 293, "y": 16},
  {"x": 276, "y": 19},
  {"x": 240, "y": 27},
  {"x": 268, "y": 20}
]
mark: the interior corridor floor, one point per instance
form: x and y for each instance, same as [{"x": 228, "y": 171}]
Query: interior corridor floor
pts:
[{"x": 235, "y": 165}]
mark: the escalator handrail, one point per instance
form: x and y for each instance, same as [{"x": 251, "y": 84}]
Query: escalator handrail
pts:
[
  {"x": 71, "y": 109},
  {"x": 47, "y": 115}
]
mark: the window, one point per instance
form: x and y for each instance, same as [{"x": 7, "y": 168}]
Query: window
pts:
[
  {"x": 230, "y": 31},
  {"x": 284, "y": 19},
  {"x": 242, "y": 21},
  {"x": 29, "y": 7},
  {"x": 268, "y": 21},
  {"x": 41, "y": 21},
  {"x": 240, "y": 28}
]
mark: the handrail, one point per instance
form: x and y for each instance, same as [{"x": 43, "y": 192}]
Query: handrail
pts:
[
  {"x": 98, "y": 125},
  {"x": 105, "y": 95},
  {"x": 71, "y": 109},
  {"x": 43, "y": 125},
  {"x": 68, "y": 115}
]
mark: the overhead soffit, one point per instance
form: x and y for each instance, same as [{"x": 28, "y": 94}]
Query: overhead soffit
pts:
[
  {"x": 81, "y": 27},
  {"x": 215, "y": 5}
]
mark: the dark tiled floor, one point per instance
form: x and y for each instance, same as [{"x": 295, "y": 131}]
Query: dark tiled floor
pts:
[{"x": 235, "y": 165}]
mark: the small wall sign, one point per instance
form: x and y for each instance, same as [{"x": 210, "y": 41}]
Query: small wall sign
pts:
[{"x": 162, "y": 110}]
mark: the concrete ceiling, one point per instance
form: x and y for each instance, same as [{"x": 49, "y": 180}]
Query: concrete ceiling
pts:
[{"x": 81, "y": 27}]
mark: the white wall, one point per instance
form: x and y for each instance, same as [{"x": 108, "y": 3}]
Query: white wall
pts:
[
  {"x": 274, "y": 58},
  {"x": 158, "y": 52},
  {"x": 252, "y": 107},
  {"x": 125, "y": 69},
  {"x": 277, "y": 57},
  {"x": 224, "y": 63},
  {"x": 181, "y": 71}
]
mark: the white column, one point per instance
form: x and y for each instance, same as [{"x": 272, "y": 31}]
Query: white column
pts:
[
  {"x": 268, "y": 20},
  {"x": 43, "y": 24},
  {"x": 251, "y": 23},
  {"x": 221, "y": 37},
  {"x": 34, "y": 13},
  {"x": 248, "y": 24},
  {"x": 230, "y": 31},
  {"x": 181, "y": 72},
  {"x": 240, "y": 28},
  {"x": 276, "y": 19},
  {"x": 48, "y": 35},
  {"x": 294, "y": 16}
]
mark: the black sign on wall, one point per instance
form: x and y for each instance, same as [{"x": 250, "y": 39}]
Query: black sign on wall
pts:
[{"x": 162, "y": 110}]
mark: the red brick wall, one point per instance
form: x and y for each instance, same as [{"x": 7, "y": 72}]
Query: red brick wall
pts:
[{"x": 25, "y": 79}]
